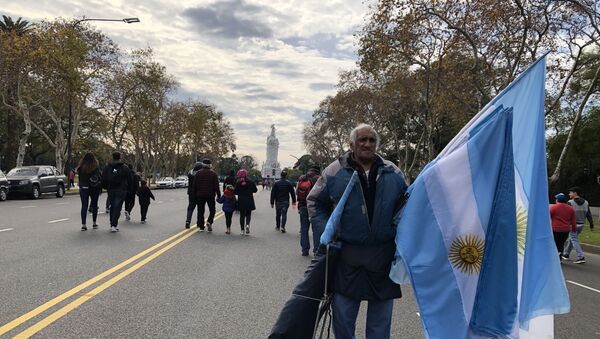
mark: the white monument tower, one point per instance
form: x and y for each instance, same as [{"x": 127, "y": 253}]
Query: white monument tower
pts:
[{"x": 271, "y": 167}]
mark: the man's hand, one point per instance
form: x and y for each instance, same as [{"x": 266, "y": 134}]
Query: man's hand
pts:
[{"x": 294, "y": 205}]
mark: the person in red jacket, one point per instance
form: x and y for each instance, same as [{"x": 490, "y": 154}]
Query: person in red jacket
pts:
[{"x": 563, "y": 221}]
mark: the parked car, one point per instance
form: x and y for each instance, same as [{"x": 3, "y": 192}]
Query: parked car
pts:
[
  {"x": 181, "y": 181},
  {"x": 166, "y": 182},
  {"x": 36, "y": 180},
  {"x": 4, "y": 186}
]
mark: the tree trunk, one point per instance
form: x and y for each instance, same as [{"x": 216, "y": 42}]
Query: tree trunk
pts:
[
  {"x": 24, "y": 135},
  {"x": 556, "y": 175}
]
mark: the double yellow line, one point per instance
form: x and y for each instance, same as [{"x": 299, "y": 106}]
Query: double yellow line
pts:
[{"x": 172, "y": 242}]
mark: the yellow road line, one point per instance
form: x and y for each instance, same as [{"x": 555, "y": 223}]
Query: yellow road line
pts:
[
  {"x": 79, "y": 301},
  {"x": 38, "y": 310}
]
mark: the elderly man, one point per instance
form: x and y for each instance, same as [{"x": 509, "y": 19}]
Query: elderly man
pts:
[{"x": 367, "y": 231}]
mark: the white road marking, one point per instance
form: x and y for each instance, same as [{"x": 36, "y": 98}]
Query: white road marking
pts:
[
  {"x": 159, "y": 202},
  {"x": 28, "y": 206},
  {"x": 6, "y": 229},
  {"x": 62, "y": 203},
  {"x": 581, "y": 285},
  {"x": 57, "y": 220}
]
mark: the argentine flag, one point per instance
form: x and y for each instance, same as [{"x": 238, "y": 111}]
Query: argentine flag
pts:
[{"x": 474, "y": 238}]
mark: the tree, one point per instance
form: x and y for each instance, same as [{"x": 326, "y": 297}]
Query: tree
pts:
[{"x": 247, "y": 162}]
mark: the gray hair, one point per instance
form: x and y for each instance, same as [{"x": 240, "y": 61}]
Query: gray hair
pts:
[{"x": 354, "y": 134}]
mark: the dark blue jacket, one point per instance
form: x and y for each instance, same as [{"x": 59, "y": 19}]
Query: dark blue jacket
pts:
[{"x": 367, "y": 227}]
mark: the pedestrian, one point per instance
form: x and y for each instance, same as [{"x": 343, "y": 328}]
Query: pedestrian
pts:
[
  {"x": 280, "y": 199},
  {"x": 144, "y": 195},
  {"x": 303, "y": 188},
  {"x": 206, "y": 187},
  {"x": 229, "y": 202},
  {"x": 191, "y": 194},
  {"x": 90, "y": 185},
  {"x": 117, "y": 180},
  {"x": 130, "y": 199},
  {"x": 367, "y": 230},
  {"x": 71, "y": 179},
  {"x": 245, "y": 189},
  {"x": 582, "y": 212},
  {"x": 563, "y": 220},
  {"x": 229, "y": 179}
]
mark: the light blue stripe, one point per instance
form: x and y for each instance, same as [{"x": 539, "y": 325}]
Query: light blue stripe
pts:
[
  {"x": 336, "y": 215},
  {"x": 419, "y": 242}
]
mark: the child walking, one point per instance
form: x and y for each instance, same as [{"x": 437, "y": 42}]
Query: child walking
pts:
[
  {"x": 228, "y": 200},
  {"x": 144, "y": 195}
]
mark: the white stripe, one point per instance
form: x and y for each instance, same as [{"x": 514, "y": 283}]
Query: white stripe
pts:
[
  {"x": 27, "y": 206},
  {"x": 458, "y": 216},
  {"x": 6, "y": 229},
  {"x": 57, "y": 220},
  {"x": 62, "y": 203},
  {"x": 581, "y": 285}
]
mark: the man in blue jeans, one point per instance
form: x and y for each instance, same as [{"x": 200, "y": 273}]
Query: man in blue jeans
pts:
[
  {"x": 367, "y": 230},
  {"x": 582, "y": 212},
  {"x": 280, "y": 199}
]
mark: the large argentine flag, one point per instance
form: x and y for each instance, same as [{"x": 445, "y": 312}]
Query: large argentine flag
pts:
[{"x": 475, "y": 234}]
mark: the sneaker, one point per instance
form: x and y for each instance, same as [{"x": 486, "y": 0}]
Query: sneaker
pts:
[
  {"x": 127, "y": 217},
  {"x": 143, "y": 221},
  {"x": 95, "y": 226},
  {"x": 282, "y": 230},
  {"x": 187, "y": 224},
  {"x": 83, "y": 228},
  {"x": 201, "y": 229},
  {"x": 242, "y": 232},
  {"x": 276, "y": 228},
  {"x": 247, "y": 229},
  {"x": 113, "y": 229},
  {"x": 209, "y": 227},
  {"x": 579, "y": 261},
  {"x": 228, "y": 231},
  {"x": 564, "y": 257}
]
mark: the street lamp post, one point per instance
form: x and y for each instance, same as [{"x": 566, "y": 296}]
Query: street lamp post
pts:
[{"x": 70, "y": 122}]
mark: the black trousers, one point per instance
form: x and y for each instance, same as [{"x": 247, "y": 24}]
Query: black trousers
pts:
[
  {"x": 144, "y": 210},
  {"x": 201, "y": 202},
  {"x": 116, "y": 199},
  {"x": 129, "y": 202},
  {"x": 559, "y": 240},
  {"x": 245, "y": 216},
  {"x": 228, "y": 217},
  {"x": 191, "y": 207}
]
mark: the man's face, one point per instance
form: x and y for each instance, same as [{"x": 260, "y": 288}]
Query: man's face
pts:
[
  {"x": 364, "y": 146},
  {"x": 572, "y": 195}
]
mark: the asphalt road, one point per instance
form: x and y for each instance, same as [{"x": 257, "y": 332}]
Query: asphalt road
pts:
[{"x": 197, "y": 285}]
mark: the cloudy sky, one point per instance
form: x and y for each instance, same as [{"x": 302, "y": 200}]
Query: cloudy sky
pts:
[{"x": 261, "y": 62}]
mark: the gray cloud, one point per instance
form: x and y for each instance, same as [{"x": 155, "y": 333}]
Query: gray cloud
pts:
[
  {"x": 231, "y": 19},
  {"x": 265, "y": 96},
  {"x": 321, "y": 86},
  {"x": 325, "y": 43}
]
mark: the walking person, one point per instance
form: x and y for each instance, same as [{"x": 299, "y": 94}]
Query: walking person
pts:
[
  {"x": 367, "y": 231},
  {"x": 130, "y": 199},
  {"x": 303, "y": 188},
  {"x": 206, "y": 187},
  {"x": 229, "y": 202},
  {"x": 117, "y": 180},
  {"x": 563, "y": 220},
  {"x": 582, "y": 212},
  {"x": 245, "y": 189},
  {"x": 229, "y": 179},
  {"x": 280, "y": 199},
  {"x": 71, "y": 179},
  {"x": 191, "y": 194},
  {"x": 145, "y": 194},
  {"x": 90, "y": 186}
]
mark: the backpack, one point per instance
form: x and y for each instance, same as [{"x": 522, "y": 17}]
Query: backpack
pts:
[
  {"x": 95, "y": 179},
  {"x": 303, "y": 190}
]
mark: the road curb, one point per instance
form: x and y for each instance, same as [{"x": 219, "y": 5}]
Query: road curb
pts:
[{"x": 590, "y": 248}]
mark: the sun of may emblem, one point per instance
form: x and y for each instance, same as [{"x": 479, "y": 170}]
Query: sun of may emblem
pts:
[{"x": 466, "y": 253}]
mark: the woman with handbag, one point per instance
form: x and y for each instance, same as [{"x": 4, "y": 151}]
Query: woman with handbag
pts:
[{"x": 90, "y": 186}]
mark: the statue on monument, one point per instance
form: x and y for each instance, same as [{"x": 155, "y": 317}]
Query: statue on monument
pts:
[{"x": 271, "y": 167}]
